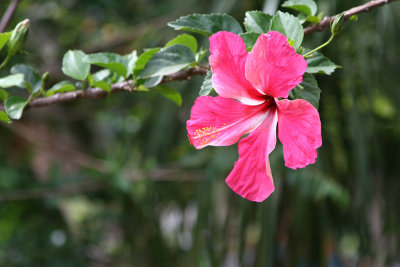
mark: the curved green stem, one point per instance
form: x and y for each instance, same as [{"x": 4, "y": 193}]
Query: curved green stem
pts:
[
  {"x": 319, "y": 47},
  {"x": 5, "y": 62}
]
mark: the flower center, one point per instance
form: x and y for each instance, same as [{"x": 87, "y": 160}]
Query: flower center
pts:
[{"x": 205, "y": 135}]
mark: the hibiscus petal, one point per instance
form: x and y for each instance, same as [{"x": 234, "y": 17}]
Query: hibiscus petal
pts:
[
  {"x": 227, "y": 60},
  {"x": 220, "y": 121},
  {"x": 273, "y": 66},
  {"x": 251, "y": 177},
  {"x": 299, "y": 130}
]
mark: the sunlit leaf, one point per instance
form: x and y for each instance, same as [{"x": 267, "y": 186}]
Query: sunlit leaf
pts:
[
  {"x": 184, "y": 39},
  {"x": 43, "y": 80},
  {"x": 3, "y": 94},
  {"x": 4, "y": 36},
  {"x": 143, "y": 59},
  {"x": 12, "y": 80},
  {"x": 207, "y": 24},
  {"x": 313, "y": 19},
  {"x": 131, "y": 61},
  {"x": 289, "y": 26},
  {"x": 200, "y": 55},
  {"x": 14, "y": 106},
  {"x": 31, "y": 77},
  {"x": 4, "y": 117},
  {"x": 111, "y": 61},
  {"x": 101, "y": 75},
  {"x": 257, "y": 21},
  {"x": 103, "y": 85},
  {"x": 167, "y": 61},
  {"x": 170, "y": 93},
  {"x": 307, "y": 7},
  {"x": 153, "y": 81},
  {"x": 207, "y": 86},
  {"x": 74, "y": 66},
  {"x": 61, "y": 87}
]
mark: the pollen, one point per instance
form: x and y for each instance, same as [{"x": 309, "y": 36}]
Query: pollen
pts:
[{"x": 205, "y": 135}]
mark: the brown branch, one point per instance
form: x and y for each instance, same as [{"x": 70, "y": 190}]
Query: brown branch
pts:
[
  {"x": 127, "y": 86},
  {"x": 8, "y": 15},
  {"x": 326, "y": 22}
]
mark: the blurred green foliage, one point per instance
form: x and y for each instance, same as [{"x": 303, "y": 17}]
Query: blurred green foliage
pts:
[{"x": 114, "y": 182}]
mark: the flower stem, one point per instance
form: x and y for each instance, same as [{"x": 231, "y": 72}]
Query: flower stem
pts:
[
  {"x": 319, "y": 47},
  {"x": 5, "y": 62}
]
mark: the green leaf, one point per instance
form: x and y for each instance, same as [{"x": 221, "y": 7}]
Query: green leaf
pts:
[
  {"x": 318, "y": 63},
  {"x": 14, "y": 106},
  {"x": 74, "y": 66},
  {"x": 207, "y": 86},
  {"x": 131, "y": 61},
  {"x": 199, "y": 55},
  {"x": 111, "y": 61},
  {"x": 170, "y": 93},
  {"x": 184, "y": 39},
  {"x": 308, "y": 90},
  {"x": 142, "y": 88},
  {"x": 143, "y": 59},
  {"x": 3, "y": 95},
  {"x": 207, "y": 24},
  {"x": 43, "y": 80},
  {"x": 4, "y": 36},
  {"x": 4, "y": 117},
  {"x": 153, "y": 81},
  {"x": 61, "y": 87},
  {"x": 257, "y": 21},
  {"x": 249, "y": 38},
  {"x": 31, "y": 77},
  {"x": 103, "y": 85},
  {"x": 167, "y": 61},
  {"x": 12, "y": 80},
  {"x": 308, "y": 7},
  {"x": 289, "y": 26},
  {"x": 313, "y": 19},
  {"x": 101, "y": 75}
]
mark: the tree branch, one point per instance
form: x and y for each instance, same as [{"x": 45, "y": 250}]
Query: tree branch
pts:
[
  {"x": 127, "y": 86},
  {"x": 326, "y": 22},
  {"x": 8, "y": 15}
]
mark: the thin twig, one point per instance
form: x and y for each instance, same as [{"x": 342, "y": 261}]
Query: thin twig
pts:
[
  {"x": 127, "y": 86},
  {"x": 8, "y": 15},
  {"x": 326, "y": 22}
]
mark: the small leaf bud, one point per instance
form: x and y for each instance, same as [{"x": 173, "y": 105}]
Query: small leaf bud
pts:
[
  {"x": 18, "y": 37},
  {"x": 337, "y": 24}
]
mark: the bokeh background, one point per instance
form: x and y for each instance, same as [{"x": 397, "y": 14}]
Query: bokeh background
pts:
[{"x": 114, "y": 182}]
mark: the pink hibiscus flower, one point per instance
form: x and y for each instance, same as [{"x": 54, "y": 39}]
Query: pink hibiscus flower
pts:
[{"x": 250, "y": 86}]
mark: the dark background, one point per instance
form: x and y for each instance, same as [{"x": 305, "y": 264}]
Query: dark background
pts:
[{"x": 114, "y": 182}]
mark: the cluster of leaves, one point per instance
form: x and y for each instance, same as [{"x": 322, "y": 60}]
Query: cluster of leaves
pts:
[
  {"x": 256, "y": 23},
  {"x": 148, "y": 69}
]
